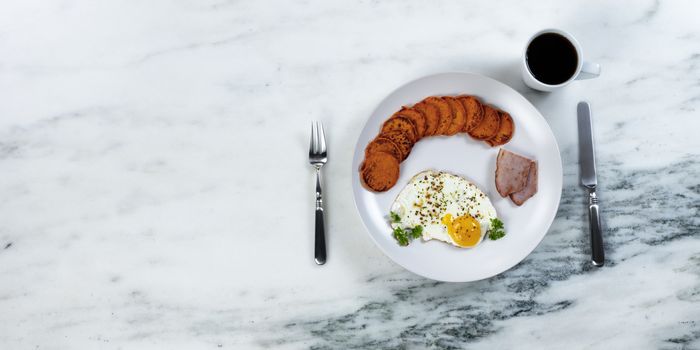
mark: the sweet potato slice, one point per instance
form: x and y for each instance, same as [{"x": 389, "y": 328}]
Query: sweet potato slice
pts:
[
  {"x": 445, "y": 113},
  {"x": 459, "y": 115},
  {"x": 383, "y": 144},
  {"x": 403, "y": 124},
  {"x": 432, "y": 117},
  {"x": 416, "y": 117},
  {"x": 400, "y": 139},
  {"x": 506, "y": 129},
  {"x": 489, "y": 125},
  {"x": 474, "y": 109},
  {"x": 379, "y": 171}
]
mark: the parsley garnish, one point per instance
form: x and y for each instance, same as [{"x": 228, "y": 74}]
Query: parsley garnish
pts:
[
  {"x": 417, "y": 231},
  {"x": 401, "y": 236},
  {"x": 394, "y": 217},
  {"x": 404, "y": 236},
  {"x": 496, "y": 231}
]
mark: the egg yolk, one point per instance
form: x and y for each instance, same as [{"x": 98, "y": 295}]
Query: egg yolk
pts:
[{"x": 464, "y": 230}]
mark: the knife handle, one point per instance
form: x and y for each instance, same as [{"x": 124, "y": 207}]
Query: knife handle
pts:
[{"x": 597, "y": 252}]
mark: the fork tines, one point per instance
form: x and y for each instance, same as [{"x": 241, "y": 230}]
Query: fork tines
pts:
[{"x": 317, "y": 148}]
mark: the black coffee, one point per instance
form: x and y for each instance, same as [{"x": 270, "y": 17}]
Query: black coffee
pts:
[{"x": 551, "y": 58}]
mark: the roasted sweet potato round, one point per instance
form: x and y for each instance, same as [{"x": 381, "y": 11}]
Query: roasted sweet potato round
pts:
[
  {"x": 445, "y": 113},
  {"x": 379, "y": 172},
  {"x": 505, "y": 130},
  {"x": 489, "y": 125},
  {"x": 474, "y": 110},
  {"x": 416, "y": 117},
  {"x": 403, "y": 124},
  {"x": 432, "y": 117},
  {"x": 383, "y": 144},
  {"x": 400, "y": 139},
  {"x": 459, "y": 115}
]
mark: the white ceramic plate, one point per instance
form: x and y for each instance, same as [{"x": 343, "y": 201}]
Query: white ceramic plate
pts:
[{"x": 476, "y": 161}]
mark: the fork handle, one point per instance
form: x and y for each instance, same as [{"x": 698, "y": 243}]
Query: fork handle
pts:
[{"x": 320, "y": 238}]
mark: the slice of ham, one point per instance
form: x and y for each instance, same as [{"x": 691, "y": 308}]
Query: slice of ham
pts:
[
  {"x": 511, "y": 172},
  {"x": 530, "y": 188}
]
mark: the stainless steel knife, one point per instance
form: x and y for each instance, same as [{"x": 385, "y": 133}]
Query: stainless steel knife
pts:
[{"x": 589, "y": 180}]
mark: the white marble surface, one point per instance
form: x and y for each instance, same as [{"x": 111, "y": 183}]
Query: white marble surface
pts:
[{"x": 155, "y": 192}]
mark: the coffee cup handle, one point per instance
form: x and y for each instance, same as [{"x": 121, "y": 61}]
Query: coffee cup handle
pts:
[{"x": 589, "y": 70}]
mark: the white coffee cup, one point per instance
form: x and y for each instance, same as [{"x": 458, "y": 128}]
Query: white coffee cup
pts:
[{"x": 584, "y": 70}]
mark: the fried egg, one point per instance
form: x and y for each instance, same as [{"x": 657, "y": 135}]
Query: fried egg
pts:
[{"x": 449, "y": 208}]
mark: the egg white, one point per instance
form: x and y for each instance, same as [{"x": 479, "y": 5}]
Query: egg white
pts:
[{"x": 430, "y": 195}]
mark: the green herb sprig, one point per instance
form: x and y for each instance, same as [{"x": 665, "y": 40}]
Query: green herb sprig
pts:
[
  {"x": 404, "y": 236},
  {"x": 496, "y": 231}
]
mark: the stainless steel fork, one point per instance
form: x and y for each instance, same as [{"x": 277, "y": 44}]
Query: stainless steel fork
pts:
[{"x": 317, "y": 158}]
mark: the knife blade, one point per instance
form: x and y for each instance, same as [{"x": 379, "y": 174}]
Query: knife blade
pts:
[
  {"x": 590, "y": 180},
  {"x": 586, "y": 149}
]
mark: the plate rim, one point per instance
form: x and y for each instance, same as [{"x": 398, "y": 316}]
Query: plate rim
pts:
[{"x": 353, "y": 173}]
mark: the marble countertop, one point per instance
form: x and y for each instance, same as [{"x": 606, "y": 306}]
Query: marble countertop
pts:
[{"x": 155, "y": 191}]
